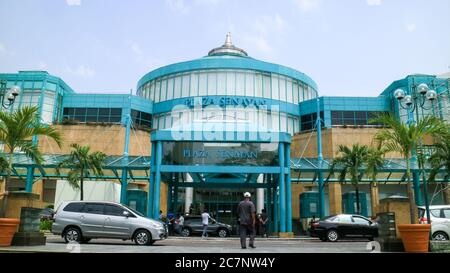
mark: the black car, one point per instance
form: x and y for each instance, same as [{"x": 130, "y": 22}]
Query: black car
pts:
[
  {"x": 193, "y": 225},
  {"x": 340, "y": 226},
  {"x": 46, "y": 214}
]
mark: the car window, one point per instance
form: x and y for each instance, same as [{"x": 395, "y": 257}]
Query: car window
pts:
[
  {"x": 436, "y": 213},
  {"x": 93, "y": 208},
  {"x": 446, "y": 213},
  {"x": 332, "y": 219},
  {"x": 74, "y": 207},
  {"x": 345, "y": 219},
  {"x": 114, "y": 210},
  {"x": 361, "y": 221}
]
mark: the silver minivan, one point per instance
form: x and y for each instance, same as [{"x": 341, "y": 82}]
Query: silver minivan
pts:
[{"x": 81, "y": 221}]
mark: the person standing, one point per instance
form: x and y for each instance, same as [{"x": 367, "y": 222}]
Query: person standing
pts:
[
  {"x": 247, "y": 219},
  {"x": 205, "y": 222},
  {"x": 263, "y": 224}
]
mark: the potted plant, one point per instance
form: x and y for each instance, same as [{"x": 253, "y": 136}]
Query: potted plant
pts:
[
  {"x": 17, "y": 128},
  {"x": 8, "y": 226},
  {"x": 404, "y": 138}
]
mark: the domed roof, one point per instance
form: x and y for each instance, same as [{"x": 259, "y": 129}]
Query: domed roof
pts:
[{"x": 228, "y": 49}]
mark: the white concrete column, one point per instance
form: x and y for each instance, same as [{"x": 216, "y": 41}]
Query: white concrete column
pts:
[
  {"x": 260, "y": 195},
  {"x": 189, "y": 193}
]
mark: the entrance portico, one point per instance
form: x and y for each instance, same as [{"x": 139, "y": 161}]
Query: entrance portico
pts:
[{"x": 236, "y": 160}]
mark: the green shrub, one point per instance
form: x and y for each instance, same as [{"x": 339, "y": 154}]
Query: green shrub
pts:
[{"x": 45, "y": 225}]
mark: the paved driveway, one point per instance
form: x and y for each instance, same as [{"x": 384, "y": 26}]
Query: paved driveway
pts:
[{"x": 197, "y": 245}]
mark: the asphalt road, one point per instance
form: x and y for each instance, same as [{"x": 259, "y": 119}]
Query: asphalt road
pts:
[{"x": 197, "y": 245}]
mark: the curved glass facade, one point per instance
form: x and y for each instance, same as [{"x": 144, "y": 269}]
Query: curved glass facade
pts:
[{"x": 227, "y": 82}]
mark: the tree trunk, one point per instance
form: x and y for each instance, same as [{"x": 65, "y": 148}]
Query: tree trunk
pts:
[
  {"x": 81, "y": 186},
  {"x": 411, "y": 195},
  {"x": 358, "y": 207},
  {"x": 8, "y": 175}
]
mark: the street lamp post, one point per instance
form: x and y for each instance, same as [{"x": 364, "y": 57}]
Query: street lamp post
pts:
[
  {"x": 8, "y": 97},
  {"x": 412, "y": 103}
]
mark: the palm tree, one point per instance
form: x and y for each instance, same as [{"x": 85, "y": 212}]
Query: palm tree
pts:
[
  {"x": 440, "y": 159},
  {"x": 404, "y": 139},
  {"x": 16, "y": 131},
  {"x": 82, "y": 163},
  {"x": 375, "y": 161},
  {"x": 350, "y": 163}
]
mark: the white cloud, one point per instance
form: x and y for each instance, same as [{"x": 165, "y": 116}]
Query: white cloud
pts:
[
  {"x": 4, "y": 51},
  {"x": 73, "y": 2},
  {"x": 178, "y": 5},
  {"x": 308, "y": 5},
  {"x": 185, "y": 6},
  {"x": 411, "y": 27},
  {"x": 82, "y": 71},
  {"x": 42, "y": 65},
  {"x": 374, "y": 2},
  {"x": 259, "y": 42}
]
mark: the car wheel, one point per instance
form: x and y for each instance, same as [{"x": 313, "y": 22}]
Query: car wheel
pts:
[
  {"x": 185, "y": 232},
  {"x": 223, "y": 233},
  {"x": 72, "y": 235},
  {"x": 332, "y": 235},
  {"x": 440, "y": 236},
  {"x": 143, "y": 238}
]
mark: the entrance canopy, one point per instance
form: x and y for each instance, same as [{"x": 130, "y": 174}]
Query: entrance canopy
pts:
[
  {"x": 138, "y": 167},
  {"x": 394, "y": 171}
]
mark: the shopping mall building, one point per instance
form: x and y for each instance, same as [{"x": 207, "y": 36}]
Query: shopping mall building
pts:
[{"x": 198, "y": 134}]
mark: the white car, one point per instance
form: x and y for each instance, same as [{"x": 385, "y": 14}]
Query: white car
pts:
[{"x": 440, "y": 221}]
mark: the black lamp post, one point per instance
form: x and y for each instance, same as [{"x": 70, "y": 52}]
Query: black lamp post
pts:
[
  {"x": 8, "y": 97},
  {"x": 412, "y": 103}
]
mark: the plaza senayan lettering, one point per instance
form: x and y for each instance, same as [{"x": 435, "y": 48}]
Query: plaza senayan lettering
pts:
[
  {"x": 225, "y": 101},
  {"x": 223, "y": 154}
]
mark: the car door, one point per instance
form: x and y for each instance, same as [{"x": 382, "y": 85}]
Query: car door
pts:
[
  {"x": 92, "y": 219},
  {"x": 363, "y": 227},
  {"x": 196, "y": 224},
  {"x": 116, "y": 224},
  {"x": 446, "y": 215},
  {"x": 346, "y": 227}
]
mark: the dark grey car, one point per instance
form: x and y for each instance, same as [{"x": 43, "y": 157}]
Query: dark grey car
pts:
[
  {"x": 81, "y": 221},
  {"x": 193, "y": 225}
]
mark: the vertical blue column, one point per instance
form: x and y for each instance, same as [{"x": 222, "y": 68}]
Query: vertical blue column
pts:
[
  {"x": 30, "y": 177},
  {"x": 416, "y": 185},
  {"x": 320, "y": 161},
  {"x": 288, "y": 189},
  {"x": 124, "y": 186},
  {"x": 156, "y": 193},
  {"x": 282, "y": 183},
  {"x": 151, "y": 183},
  {"x": 170, "y": 207},
  {"x": 175, "y": 199},
  {"x": 275, "y": 210}
]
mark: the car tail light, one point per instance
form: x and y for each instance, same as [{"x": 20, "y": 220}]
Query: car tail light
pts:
[
  {"x": 423, "y": 220},
  {"x": 316, "y": 224}
]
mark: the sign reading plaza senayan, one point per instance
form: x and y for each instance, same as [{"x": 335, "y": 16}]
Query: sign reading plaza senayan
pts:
[{"x": 200, "y": 153}]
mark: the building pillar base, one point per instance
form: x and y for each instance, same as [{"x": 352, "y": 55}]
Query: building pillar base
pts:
[{"x": 286, "y": 234}]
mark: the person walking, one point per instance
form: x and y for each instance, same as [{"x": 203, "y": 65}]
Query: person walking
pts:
[
  {"x": 205, "y": 222},
  {"x": 247, "y": 219}
]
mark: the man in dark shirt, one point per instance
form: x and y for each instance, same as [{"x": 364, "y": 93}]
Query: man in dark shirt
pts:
[{"x": 247, "y": 218}]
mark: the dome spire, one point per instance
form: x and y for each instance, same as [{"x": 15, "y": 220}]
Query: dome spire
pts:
[
  {"x": 228, "y": 42},
  {"x": 228, "y": 49}
]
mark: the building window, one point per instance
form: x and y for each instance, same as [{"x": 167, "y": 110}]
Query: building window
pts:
[
  {"x": 308, "y": 121},
  {"x": 141, "y": 118},
  {"x": 110, "y": 115},
  {"x": 354, "y": 118}
]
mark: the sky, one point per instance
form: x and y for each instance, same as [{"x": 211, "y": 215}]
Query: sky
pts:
[{"x": 348, "y": 47}]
